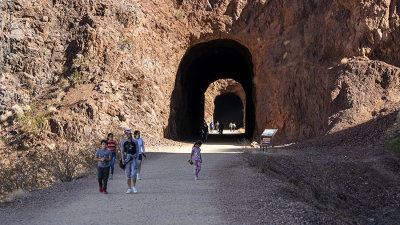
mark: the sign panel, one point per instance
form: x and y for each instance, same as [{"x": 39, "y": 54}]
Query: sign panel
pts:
[{"x": 269, "y": 132}]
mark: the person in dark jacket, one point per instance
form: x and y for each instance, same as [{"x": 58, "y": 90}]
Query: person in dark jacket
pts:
[{"x": 204, "y": 132}]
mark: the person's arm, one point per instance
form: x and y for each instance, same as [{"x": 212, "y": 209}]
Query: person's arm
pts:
[
  {"x": 191, "y": 154},
  {"x": 108, "y": 158},
  {"x": 96, "y": 157},
  {"x": 137, "y": 147},
  {"x": 201, "y": 159},
  {"x": 144, "y": 150},
  {"x": 116, "y": 148},
  {"x": 122, "y": 152}
]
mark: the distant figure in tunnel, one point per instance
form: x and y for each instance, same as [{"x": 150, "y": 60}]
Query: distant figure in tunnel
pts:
[
  {"x": 195, "y": 159},
  {"x": 221, "y": 128},
  {"x": 211, "y": 126},
  {"x": 204, "y": 132},
  {"x": 216, "y": 126},
  {"x": 231, "y": 126}
]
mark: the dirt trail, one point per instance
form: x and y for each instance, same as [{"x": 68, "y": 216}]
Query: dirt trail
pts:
[{"x": 228, "y": 192}]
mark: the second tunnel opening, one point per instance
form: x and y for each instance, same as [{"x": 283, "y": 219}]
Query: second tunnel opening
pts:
[{"x": 229, "y": 109}]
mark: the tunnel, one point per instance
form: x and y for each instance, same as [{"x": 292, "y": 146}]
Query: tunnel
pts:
[
  {"x": 229, "y": 108},
  {"x": 203, "y": 64}
]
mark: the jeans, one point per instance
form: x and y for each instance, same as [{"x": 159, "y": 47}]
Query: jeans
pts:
[
  {"x": 132, "y": 167},
  {"x": 113, "y": 156},
  {"x": 204, "y": 136}
]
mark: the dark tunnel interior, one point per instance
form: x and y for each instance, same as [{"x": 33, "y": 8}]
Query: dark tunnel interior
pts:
[
  {"x": 228, "y": 108},
  {"x": 202, "y": 65}
]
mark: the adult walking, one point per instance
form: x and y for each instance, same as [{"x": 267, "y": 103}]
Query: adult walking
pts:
[
  {"x": 130, "y": 157},
  {"x": 142, "y": 151},
  {"x": 221, "y": 128},
  {"x": 204, "y": 132},
  {"x": 112, "y": 146}
]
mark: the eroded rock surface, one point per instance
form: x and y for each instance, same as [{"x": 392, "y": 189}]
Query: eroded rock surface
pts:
[{"x": 101, "y": 66}]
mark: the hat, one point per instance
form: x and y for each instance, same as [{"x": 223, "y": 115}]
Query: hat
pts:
[{"x": 128, "y": 132}]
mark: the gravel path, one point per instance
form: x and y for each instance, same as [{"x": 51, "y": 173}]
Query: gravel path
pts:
[{"x": 228, "y": 192}]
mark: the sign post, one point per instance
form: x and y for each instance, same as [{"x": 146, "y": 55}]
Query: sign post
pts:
[{"x": 266, "y": 138}]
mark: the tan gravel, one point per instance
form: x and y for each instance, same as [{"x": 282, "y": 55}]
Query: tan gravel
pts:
[{"x": 228, "y": 192}]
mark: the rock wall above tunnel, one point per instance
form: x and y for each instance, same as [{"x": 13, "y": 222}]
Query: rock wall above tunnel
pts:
[{"x": 100, "y": 66}]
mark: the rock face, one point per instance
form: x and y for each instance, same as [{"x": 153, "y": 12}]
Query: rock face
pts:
[{"x": 100, "y": 66}]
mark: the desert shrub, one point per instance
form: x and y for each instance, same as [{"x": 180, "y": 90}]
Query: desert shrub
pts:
[
  {"x": 256, "y": 159},
  {"x": 32, "y": 121},
  {"x": 17, "y": 109},
  {"x": 68, "y": 163},
  {"x": 63, "y": 84},
  {"x": 3, "y": 141},
  {"x": 63, "y": 164},
  {"x": 42, "y": 168},
  {"x": 394, "y": 146},
  {"x": 5, "y": 116},
  {"x": 23, "y": 174},
  {"x": 30, "y": 83},
  {"x": 179, "y": 14},
  {"x": 75, "y": 78}
]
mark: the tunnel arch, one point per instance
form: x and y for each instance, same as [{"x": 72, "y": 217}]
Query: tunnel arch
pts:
[{"x": 202, "y": 65}]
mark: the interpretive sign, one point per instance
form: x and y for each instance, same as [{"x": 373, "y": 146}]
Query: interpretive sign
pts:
[
  {"x": 269, "y": 132},
  {"x": 266, "y": 138}
]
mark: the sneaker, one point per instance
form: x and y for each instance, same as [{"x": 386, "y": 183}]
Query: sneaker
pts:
[
  {"x": 128, "y": 191},
  {"x": 134, "y": 189},
  {"x": 100, "y": 189},
  {"x": 105, "y": 192},
  {"x": 196, "y": 177},
  {"x": 138, "y": 177},
  {"x": 111, "y": 177}
]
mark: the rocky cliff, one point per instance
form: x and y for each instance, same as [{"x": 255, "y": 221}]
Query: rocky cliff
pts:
[{"x": 76, "y": 70}]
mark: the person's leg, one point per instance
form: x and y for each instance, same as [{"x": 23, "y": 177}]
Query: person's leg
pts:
[
  {"x": 128, "y": 174},
  {"x": 140, "y": 166},
  {"x": 195, "y": 168},
  {"x": 105, "y": 178},
  {"x": 198, "y": 168},
  {"x": 100, "y": 179},
  {"x": 113, "y": 156},
  {"x": 135, "y": 168},
  {"x": 134, "y": 182}
]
